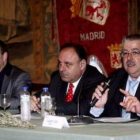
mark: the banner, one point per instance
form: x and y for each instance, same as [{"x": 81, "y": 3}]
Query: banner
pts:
[{"x": 98, "y": 25}]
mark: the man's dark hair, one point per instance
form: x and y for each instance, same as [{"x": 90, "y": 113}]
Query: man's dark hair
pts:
[
  {"x": 131, "y": 37},
  {"x": 3, "y": 47},
  {"x": 79, "y": 49}
]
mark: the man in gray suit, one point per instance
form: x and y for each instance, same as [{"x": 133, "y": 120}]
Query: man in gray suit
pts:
[{"x": 12, "y": 79}]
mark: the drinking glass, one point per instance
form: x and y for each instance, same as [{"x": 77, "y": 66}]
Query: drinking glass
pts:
[
  {"x": 4, "y": 101},
  {"x": 50, "y": 106}
]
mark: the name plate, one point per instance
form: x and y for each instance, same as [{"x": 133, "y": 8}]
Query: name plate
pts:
[{"x": 55, "y": 122}]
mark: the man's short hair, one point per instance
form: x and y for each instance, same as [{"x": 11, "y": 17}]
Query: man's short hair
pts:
[
  {"x": 130, "y": 37},
  {"x": 3, "y": 47},
  {"x": 79, "y": 49}
]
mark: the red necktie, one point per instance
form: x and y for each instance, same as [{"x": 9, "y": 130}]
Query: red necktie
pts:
[{"x": 69, "y": 95}]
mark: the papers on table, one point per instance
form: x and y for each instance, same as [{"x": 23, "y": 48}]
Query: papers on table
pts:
[
  {"x": 114, "y": 120},
  {"x": 61, "y": 122}
]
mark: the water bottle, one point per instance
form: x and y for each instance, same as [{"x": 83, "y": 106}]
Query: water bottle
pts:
[
  {"x": 44, "y": 95},
  {"x": 25, "y": 104}
]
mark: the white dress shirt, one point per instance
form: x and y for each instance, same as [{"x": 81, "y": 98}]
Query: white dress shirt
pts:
[{"x": 74, "y": 84}]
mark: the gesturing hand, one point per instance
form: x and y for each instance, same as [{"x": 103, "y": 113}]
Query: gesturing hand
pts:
[{"x": 131, "y": 103}]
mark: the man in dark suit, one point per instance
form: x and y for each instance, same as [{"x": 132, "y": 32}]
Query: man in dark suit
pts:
[
  {"x": 122, "y": 99},
  {"x": 73, "y": 69},
  {"x": 12, "y": 79}
]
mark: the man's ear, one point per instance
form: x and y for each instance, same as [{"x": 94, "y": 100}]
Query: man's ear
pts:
[
  {"x": 5, "y": 57},
  {"x": 83, "y": 64}
]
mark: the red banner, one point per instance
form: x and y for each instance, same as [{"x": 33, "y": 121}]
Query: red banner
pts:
[{"x": 98, "y": 25}]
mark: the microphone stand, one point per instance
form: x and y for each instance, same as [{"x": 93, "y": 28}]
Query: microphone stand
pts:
[{"x": 80, "y": 119}]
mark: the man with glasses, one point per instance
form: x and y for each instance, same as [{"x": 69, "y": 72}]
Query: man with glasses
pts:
[
  {"x": 122, "y": 99},
  {"x": 74, "y": 83}
]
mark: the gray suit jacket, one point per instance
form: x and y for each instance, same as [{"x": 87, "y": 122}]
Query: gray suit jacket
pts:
[{"x": 13, "y": 81}]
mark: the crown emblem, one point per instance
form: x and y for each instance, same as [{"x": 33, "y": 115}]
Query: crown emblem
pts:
[
  {"x": 116, "y": 47},
  {"x": 75, "y": 8}
]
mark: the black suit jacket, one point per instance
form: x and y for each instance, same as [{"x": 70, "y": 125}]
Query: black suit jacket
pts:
[
  {"x": 112, "y": 108},
  {"x": 90, "y": 79}
]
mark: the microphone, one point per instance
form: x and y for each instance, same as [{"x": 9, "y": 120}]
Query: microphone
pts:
[
  {"x": 105, "y": 86},
  {"x": 80, "y": 119}
]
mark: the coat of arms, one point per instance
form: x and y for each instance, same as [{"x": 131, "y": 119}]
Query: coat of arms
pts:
[
  {"x": 115, "y": 58},
  {"x": 96, "y": 11}
]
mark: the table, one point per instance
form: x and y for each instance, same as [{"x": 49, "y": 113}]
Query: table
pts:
[{"x": 96, "y": 131}]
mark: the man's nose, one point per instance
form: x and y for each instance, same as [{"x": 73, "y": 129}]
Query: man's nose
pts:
[
  {"x": 61, "y": 67},
  {"x": 130, "y": 55}
]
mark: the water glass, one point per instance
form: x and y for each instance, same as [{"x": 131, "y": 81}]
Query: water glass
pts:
[
  {"x": 4, "y": 101},
  {"x": 50, "y": 106}
]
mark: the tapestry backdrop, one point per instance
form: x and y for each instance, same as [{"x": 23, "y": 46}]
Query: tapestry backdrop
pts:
[
  {"x": 29, "y": 29},
  {"x": 98, "y": 25},
  {"x": 34, "y": 30}
]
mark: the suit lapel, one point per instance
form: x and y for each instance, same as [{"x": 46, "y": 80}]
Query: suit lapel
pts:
[
  {"x": 62, "y": 92},
  {"x": 7, "y": 77},
  {"x": 80, "y": 85},
  {"x": 5, "y": 84},
  {"x": 77, "y": 91},
  {"x": 133, "y": 115},
  {"x": 138, "y": 92}
]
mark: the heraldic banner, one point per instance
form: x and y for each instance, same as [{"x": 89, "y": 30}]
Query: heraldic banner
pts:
[{"x": 98, "y": 25}]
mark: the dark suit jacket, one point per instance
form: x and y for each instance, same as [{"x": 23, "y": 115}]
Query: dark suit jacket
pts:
[
  {"x": 90, "y": 79},
  {"x": 13, "y": 81},
  {"x": 112, "y": 108}
]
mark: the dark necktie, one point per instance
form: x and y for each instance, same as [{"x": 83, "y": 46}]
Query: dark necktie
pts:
[{"x": 69, "y": 95}]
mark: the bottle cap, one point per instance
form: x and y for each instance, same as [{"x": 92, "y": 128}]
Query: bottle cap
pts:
[
  {"x": 45, "y": 89},
  {"x": 25, "y": 88}
]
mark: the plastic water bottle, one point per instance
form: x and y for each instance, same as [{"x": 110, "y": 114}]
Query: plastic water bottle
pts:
[
  {"x": 25, "y": 104},
  {"x": 44, "y": 95}
]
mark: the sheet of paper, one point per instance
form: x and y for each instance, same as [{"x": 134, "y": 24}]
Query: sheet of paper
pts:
[{"x": 114, "y": 120}]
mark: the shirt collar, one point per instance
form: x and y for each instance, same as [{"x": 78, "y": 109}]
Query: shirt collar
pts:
[
  {"x": 75, "y": 84},
  {"x": 130, "y": 78}
]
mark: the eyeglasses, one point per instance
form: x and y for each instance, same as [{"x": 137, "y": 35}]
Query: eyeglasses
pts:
[{"x": 134, "y": 54}]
